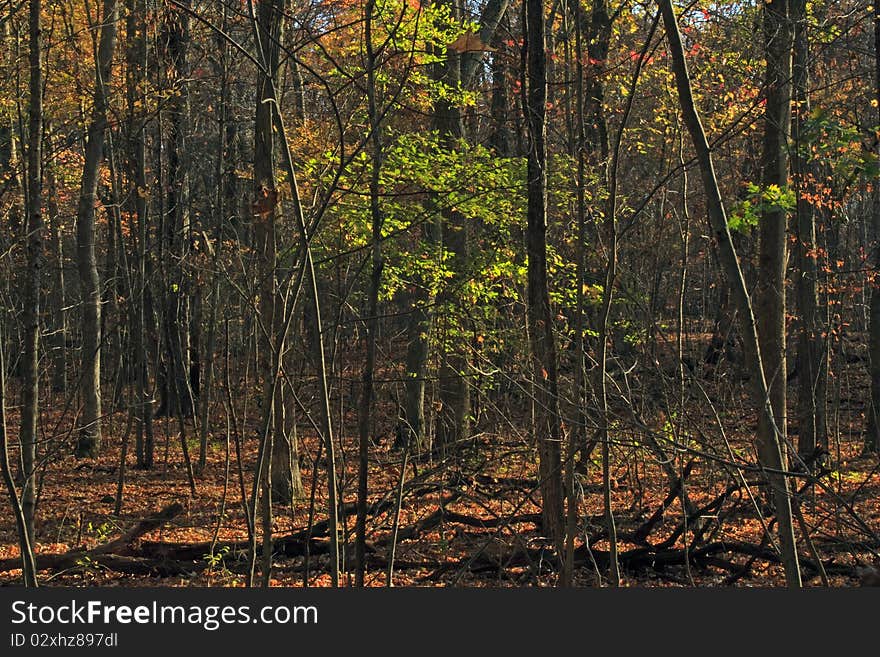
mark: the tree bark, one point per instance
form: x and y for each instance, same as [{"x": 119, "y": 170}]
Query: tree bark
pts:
[
  {"x": 811, "y": 359},
  {"x": 453, "y": 417},
  {"x": 57, "y": 338},
  {"x": 365, "y": 413},
  {"x": 872, "y": 435},
  {"x": 772, "y": 257},
  {"x": 770, "y": 450},
  {"x": 35, "y": 229},
  {"x": 25, "y": 545},
  {"x": 176, "y": 394},
  {"x": 540, "y": 318},
  {"x": 89, "y": 439},
  {"x": 223, "y": 202},
  {"x": 286, "y": 481},
  {"x": 418, "y": 330},
  {"x": 136, "y": 57}
]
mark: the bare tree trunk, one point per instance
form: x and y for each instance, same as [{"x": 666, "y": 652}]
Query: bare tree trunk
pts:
[
  {"x": 112, "y": 326},
  {"x": 286, "y": 480},
  {"x": 500, "y": 139},
  {"x": 723, "y": 342},
  {"x": 770, "y": 290},
  {"x": 176, "y": 392},
  {"x": 222, "y": 198},
  {"x": 7, "y": 124},
  {"x": 578, "y": 438},
  {"x": 136, "y": 57},
  {"x": 547, "y": 422},
  {"x": 872, "y": 435},
  {"x": 770, "y": 453},
  {"x": 365, "y": 413},
  {"x": 57, "y": 338},
  {"x": 28, "y": 569},
  {"x": 35, "y": 228},
  {"x": 597, "y": 35},
  {"x": 811, "y": 360},
  {"x": 89, "y": 440},
  {"x": 418, "y": 330},
  {"x": 326, "y": 419}
]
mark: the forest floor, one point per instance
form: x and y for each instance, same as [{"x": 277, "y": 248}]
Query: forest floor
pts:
[{"x": 469, "y": 521}]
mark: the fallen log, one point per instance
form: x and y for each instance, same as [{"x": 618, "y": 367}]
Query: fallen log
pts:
[
  {"x": 290, "y": 544},
  {"x": 641, "y": 534},
  {"x": 118, "y": 548},
  {"x": 634, "y": 560}
]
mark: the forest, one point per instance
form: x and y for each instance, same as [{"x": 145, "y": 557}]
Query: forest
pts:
[{"x": 440, "y": 293}]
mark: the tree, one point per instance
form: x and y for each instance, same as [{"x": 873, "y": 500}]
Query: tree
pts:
[
  {"x": 456, "y": 69},
  {"x": 372, "y": 320},
  {"x": 769, "y": 439},
  {"x": 286, "y": 482},
  {"x": 25, "y": 534},
  {"x": 872, "y": 435},
  {"x": 136, "y": 60},
  {"x": 89, "y": 441},
  {"x": 174, "y": 385},
  {"x": 35, "y": 229},
  {"x": 548, "y": 429},
  {"x": 811, "y": 352},
  {"x": 469, "y": 230},
  {"x": 770, "y": 290}
]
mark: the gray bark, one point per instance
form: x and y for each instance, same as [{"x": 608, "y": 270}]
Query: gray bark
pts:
[
  {"x": 25, "y": 544},
  {"x": 89, "y": 439},
  {"x": 772, "y": 257},
  {"x": 286, "y": 480},
  {"x": 56, "y": 340}
]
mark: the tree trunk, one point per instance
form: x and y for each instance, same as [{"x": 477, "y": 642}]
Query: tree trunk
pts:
[
  {"x": 89, "y": 440},
  {"x": 770, "y": 451},
  {"x": 115, "y": 278},
  {"x": 57, "y": 338},
  {"x": 286, "y": 481},
  {"x": 7, "y": 121},
  {"x": 136, "y": 56},
  {"x": 540, "y": 318},
  {"x": 176, "y": 392},
  {"x": 365, "y": 413},
  {"x": 418, "y": 330},
  {"x": 772, "y": 257},
  {"x": 308, "y": 272},
  {"x": 597, "y": 33},
  {"x": 31, "y": 316},
  {"x": 578, "y": 438},
  {"x": 25, "y": 545},
  {"x": 811, "y": 360},
  {"x": 223, "y": 201},
  {"x": 454, "y": 417},
  {"x": 500, "y": 139},
  {"x": 872, "y": 436}
]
